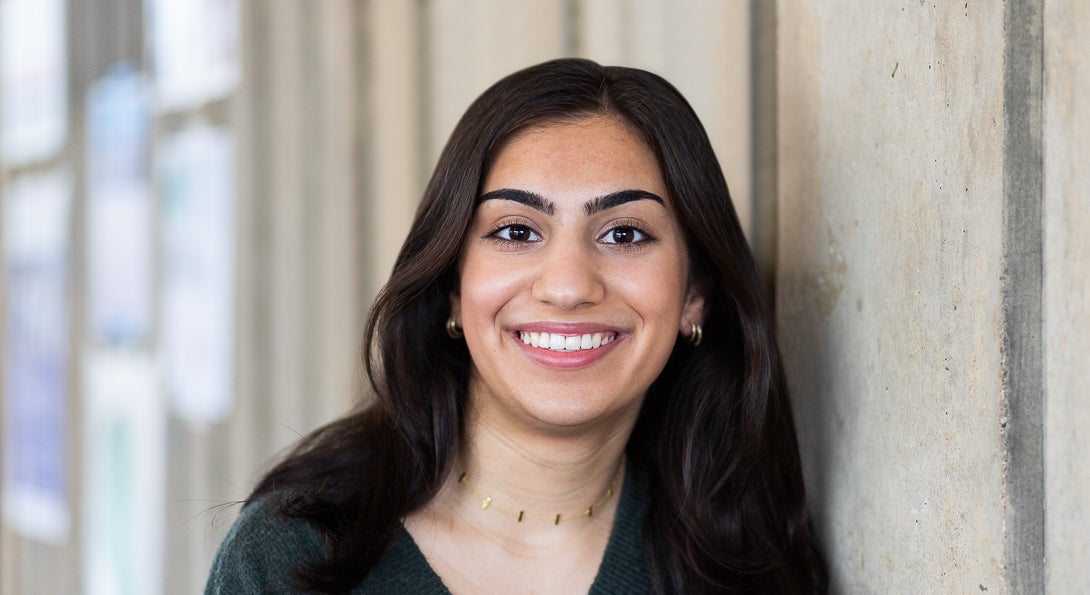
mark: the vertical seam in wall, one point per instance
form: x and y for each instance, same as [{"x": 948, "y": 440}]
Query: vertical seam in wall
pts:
[
  {"x": 572, "y": 18},
  {"x": 134, "y": 33},
  {"x": 261, "y": 155},
  {"x": 424, "y": 150},
  {"x": 1022, "y": 286},
  {"x": 627, "y": 26},
  {"x": 313, "y": 203},
  {"x": 364, "y": 136},
  {"x": 83, "y": 72},
  {"x": 764, "y": 134}
]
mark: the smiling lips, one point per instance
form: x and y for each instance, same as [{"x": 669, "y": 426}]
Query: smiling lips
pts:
[{"x": 566, "y": 343}]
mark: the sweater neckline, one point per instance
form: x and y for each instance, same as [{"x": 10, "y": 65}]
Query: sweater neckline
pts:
[{"x": 404, "y": 568}]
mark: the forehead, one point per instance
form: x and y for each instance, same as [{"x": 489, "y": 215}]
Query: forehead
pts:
[{"x": 592, "y": 155}]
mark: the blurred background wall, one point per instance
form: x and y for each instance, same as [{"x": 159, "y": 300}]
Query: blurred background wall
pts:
[{"x": 200, "y": 199}]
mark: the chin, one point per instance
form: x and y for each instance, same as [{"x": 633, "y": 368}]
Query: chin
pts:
[{"x": 575, "y": 414}]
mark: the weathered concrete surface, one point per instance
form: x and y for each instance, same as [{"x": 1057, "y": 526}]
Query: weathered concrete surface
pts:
[
  {"x": 1021, "y": 285},
  {"x": 891, "y": 186},
  {"x": 1067, "y": 294}
]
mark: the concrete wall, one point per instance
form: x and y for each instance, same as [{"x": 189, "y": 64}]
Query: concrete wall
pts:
[
  {"x": 1067, "y": 294},
  {"x": 891, "y": 201},
  {"x": 934, "y": 288},
  {"x": 910, "y": 174}
]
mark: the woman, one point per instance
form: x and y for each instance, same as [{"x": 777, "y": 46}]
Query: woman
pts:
[{"x": 576, "y": 380}]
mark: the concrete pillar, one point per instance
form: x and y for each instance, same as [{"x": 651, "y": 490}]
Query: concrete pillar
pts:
[
  {"x": 1067, "y": 294},
  {"x": 932, "y": 288}
]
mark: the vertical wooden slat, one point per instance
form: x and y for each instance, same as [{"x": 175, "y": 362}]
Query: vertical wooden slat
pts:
[
  {"x": 198, "y": 479},
  {"x": 286, "y": 263},
  {"x": 474, "y": 43},
  {"x": 338, "y": 310},
  {"x": 601, "y": 30},
  {"x": 246, "y": 428},
  {"x": 243, "y": 430},
  {"x": 646, "y": 42},
  {"x": 449, "y": 61},
  {"x": 709, "y": 54},
  {"x": 393, "y": 95}
]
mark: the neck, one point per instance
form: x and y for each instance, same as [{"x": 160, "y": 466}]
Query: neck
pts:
[
  {"x": 539, "y": 474},
  {"x": 567, "y": 483}
]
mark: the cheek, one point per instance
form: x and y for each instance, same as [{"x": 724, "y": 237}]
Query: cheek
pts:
[
  {"x": 658, "y": 290},
  {"x": 486, "y": 286},
  {"x": 662, "y": 299}
]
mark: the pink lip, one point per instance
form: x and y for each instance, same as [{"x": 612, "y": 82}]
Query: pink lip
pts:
[{"x": 566, "y": 359}]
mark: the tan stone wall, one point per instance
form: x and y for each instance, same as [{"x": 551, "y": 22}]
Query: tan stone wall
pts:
[
  {"x": 891, "y": 202},
  {"x": 934, "y": 288},
  {"x": 1067, "y": 294}
]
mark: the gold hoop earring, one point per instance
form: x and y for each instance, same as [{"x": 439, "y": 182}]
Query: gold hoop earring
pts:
[
  {"x": 696, "y": 334},
  {"x": 453, "y": 331}
]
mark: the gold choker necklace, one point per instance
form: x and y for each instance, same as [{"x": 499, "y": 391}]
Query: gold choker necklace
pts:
[{"x": 486, "y": 501}]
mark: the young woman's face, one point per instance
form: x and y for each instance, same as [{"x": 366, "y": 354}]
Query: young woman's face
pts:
[{"x": 573, "y": 278}]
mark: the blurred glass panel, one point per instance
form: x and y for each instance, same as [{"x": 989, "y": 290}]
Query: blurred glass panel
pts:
[
  {"x": 195, "y": 49},
  {"x": 36, "y": 357},
  {"x": 119, "y": 241},
  {"x": 197, "y": 217},
  {"x": 124, "y": 450},
  {"x": 33, "y": 80}
]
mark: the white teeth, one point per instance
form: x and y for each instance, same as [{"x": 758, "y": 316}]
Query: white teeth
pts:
[{"x": 558, "y": 342}]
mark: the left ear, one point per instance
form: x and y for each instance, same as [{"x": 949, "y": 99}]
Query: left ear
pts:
[{"x": 695, "y": 308}]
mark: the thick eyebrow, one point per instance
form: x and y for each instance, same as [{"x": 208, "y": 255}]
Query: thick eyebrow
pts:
[
  {"x": 534, "y": 201},
  {"x": 592, "y": 206},
  {"x": 616, "y": 199}
]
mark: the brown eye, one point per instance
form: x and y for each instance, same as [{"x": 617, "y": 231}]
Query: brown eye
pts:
[
  {"x": 516, "y": 233},
  {"x": 623, "y": 235}
]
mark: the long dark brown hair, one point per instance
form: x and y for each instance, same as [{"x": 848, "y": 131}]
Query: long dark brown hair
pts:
[{"x": 714, "y": 447}]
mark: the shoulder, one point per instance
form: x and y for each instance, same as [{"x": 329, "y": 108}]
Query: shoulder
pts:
[{"x": 261, "y": 550}]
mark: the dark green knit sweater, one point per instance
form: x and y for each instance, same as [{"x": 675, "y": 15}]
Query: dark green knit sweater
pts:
[{"x": 262, "y": 547}]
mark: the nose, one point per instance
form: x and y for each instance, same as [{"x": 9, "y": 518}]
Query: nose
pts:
[{"x": 568, "y": 277}]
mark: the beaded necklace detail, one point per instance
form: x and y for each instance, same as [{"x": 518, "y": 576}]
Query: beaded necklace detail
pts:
[{"x": 520, "y": 515}]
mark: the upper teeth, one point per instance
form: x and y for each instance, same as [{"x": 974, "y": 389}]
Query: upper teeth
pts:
[{"x": 557, "y": 342}]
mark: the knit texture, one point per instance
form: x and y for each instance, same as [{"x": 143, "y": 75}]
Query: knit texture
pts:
[{"x": 263, "y": 547}]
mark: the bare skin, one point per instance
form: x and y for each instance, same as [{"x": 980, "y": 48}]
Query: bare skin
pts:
[
  {"x": 574, "y": 239},
  {"x": 488, "y": 551}
]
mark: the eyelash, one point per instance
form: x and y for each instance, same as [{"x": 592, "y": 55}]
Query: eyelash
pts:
[
  {"x": 507, "y": 226},
  {"x": 633, "y": 226}
]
